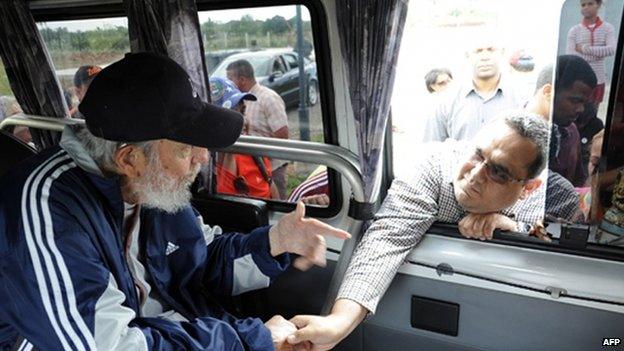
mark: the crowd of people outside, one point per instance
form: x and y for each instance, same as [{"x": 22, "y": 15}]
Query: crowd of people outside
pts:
[{"x": 459, "y": 109}]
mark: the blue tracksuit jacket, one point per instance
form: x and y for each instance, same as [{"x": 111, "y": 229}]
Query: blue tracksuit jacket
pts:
[{"x": 65, "y": 284}]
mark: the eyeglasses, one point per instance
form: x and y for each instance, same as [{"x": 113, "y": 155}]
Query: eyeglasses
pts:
[{"x": 496, "y": 173}]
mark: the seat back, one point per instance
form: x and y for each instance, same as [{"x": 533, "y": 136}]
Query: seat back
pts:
[{"x": 232, "y": 213}]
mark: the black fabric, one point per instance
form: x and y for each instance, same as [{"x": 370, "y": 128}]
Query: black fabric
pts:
[
  {"x": 85, "y": 74},
  {"x": 13, "y": 152},
  {"x": 232, "y": 213},
  {"x": 262, "y": 167},
  {"x": 146, "y": 96},
  {"x": 29, "y": 69},
  {"x": 363, "y": 211}
]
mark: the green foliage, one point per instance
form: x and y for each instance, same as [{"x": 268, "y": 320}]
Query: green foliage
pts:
[
  {"x": 100, "y": 39},
  {"x": 276, "y": 25},
  {"x": 293, "y": 179},
  {"x": 243, "y": 33},
  {"x": 5, "y": 87},
  {"x": 70, "y": 49}
]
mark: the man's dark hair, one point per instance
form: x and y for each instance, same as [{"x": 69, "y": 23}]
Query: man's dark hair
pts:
[
  {"x": 544, "y": 77},
  {"x": 432, "y": 76},
  {"x": 572, "y": 68},
  {"x": 85, "y": 74},
  {"x": 242, "y": 68},
  {"x": 534, "y": 128}
]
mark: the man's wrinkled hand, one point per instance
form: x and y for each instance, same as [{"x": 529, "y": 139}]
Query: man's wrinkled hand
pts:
[
  {"x": 482, "y": 226},
  {"x": 280, "y": 329},
  {"x": 318, "y": 333},
  {"x": 303, "y": 236}
]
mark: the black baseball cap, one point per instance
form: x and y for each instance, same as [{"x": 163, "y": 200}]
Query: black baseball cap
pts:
[{"x": 147, "y": 96}]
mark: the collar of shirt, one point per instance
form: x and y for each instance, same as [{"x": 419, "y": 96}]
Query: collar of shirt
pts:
[
  {"x": 70, "y": 143},
  {"x": 502, "y": 87},
  {"x": 592, "y": 26},
  {"x": 255, "y": 89}
]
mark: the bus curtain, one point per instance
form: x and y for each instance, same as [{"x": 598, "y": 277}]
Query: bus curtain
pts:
[
  {"x": 171, "y": 28},
  {"x": 29, "y": 69},
  {"x": 370, "y": 36}
]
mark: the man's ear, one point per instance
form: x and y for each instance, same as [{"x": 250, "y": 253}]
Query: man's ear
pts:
[
  {"x": 530, "y": 186},
  {"x": 547, "y": 90},
  {"x": 130, "y": 161}
]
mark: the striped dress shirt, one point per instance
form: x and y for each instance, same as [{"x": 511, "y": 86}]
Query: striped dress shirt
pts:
[
  {"x": 462, "y": 112},
  {"x": 266, "y": 115}
]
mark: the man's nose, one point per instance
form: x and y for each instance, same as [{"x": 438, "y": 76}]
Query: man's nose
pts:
[
  {"x": 200, "y": 155},
  {"x": 479, "y": 173}
]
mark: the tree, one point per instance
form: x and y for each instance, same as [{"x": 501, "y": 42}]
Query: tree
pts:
[
  {"x": 276, "y": 25},
  {"x": 209, "y": 28}
]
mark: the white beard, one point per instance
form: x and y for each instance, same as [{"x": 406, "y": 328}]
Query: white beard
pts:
[{"x": 159, "y": 191}]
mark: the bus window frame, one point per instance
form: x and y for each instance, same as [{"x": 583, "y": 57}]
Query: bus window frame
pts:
[{"x": 48, "y": 11}]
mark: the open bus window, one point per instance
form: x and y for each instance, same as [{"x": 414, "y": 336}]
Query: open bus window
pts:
[
  {"x": 480, "y": 59},
  {"x": 79, "y": 49},
  {"x": 267, "y": 52},
  {"x": 252, "y": 176},
  {"x": 588, "y": 31}
]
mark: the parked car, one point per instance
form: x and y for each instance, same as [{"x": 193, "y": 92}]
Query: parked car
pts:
[
  {"x": 278, "y": 69},
  {"x": 214, "y": 58}
]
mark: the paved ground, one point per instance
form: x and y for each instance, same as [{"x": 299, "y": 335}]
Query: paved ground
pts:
[
  {"x": 299, "y": 171},
  {"x": 316, "y": 122}
]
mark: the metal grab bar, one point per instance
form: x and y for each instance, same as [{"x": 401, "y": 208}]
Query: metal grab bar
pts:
[
  {"x": 331, "y": 156},
  {"x": 39, "y": 122},
  {"x": 327, "y": 155}
]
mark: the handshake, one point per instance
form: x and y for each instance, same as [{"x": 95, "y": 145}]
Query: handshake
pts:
[
  {"x": 316, "y": 333},
  {"x": 305, "y": 236}
]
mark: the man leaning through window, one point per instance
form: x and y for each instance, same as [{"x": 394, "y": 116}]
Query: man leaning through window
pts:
[{"x": 482, "y": 185}]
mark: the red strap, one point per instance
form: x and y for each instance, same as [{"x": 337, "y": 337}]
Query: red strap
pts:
[{"x": 591, "y": 27}]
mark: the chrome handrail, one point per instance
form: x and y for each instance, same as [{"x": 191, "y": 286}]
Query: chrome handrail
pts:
[{"x": 39, "y": 122}]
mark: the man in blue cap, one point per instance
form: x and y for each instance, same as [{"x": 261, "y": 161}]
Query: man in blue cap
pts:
[{"x": 240, "y": 174}]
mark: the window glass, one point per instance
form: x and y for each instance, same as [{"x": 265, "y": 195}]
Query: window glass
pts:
[
  {"x": 292, "y": 61},
  {"x": 9, "y": 107},
  {"x": 600, "y": 133},
  {"x": 80, "y": 48},
  {"x": 480, "y": 60},
  {"x": 258, "y": 51},
  {"x": 252, "y": 176}
]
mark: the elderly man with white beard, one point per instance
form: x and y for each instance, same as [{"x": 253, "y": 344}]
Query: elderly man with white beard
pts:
[{"x": 99, "y": 247}]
